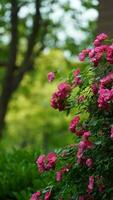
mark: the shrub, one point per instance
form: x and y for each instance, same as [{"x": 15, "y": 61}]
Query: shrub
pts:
[{"x": 83, "y": 171}]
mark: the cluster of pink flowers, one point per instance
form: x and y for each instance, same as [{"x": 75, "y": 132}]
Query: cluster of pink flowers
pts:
[
  {"x": 46, "y": 163},
  {"x": 90, "y": 187},
  {"x": 83, "y": 54},
  {"x": 73, "y": 124},
  {"x": 105, "y": 94},
  {"x": 106, "y": 80},
  {"x": 91, "y": 184},
  {"x": 99, "y": 39},
  {"x": 37, "y": 196},
  {"x": 58, "y": 99},
  {"x": 110, "y": 54},
  {"x": 96, "y": 54},
  {"x": 63, "y": 170},
  {"x": 84, "y": 144},
  {"x": 94, "y": 88},
  {"x": 77, "y": 79}
]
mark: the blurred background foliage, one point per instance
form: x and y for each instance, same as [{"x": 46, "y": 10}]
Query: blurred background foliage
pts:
[
  {"x": 43, "y": 36},
  {"x": 29, "y": 120}
]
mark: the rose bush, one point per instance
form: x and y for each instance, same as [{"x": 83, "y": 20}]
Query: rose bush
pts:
[{"x": 83, "y": 171}]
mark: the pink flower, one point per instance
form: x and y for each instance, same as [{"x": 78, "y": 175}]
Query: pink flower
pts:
[
  {"x": 97, "y": 43},
  {"x": 101, "y": 37},
  {"x": 110, "y": 54},
  {"x": 112, "y": 136},
  {"x": 59, "y": 176},
  {"x": 112, "y": 132},
  {"x": 77, "y": 80},
  {"x": 96, "y": 54},
  {"x": 82, "y": 145},
  {"x": 89, "y": 162},
  {"x": 76, "y": 72},
  {"x": 65, "y": 168},
  {"x": 74, "y": 123},
  {"x": 105, "y": 96},
  {"x": 57, "y": 102},
  {"x": 106, "y": 80},
  {"x": 47, "y": 195},
  {"x": 91, "y": 184},
  {"x": 35, "y": 195},
  {"x": 51, "y": 76},
  {"x": 83, "y": 54},
  {"x": 80, "y": 132},
  {"x": 46, "y": 163},
  {"x": 58, "y": 99},
  {"x": 51, "y": 158},
  {"x": 81, "y": 198},
  {"x": 86, "y": 135},
  {"x": 41, "y": 163},
  {"x": 65, "y": 89},
  {"x": 94, "y": 88}
]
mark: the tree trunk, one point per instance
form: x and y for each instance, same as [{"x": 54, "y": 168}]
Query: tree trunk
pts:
[
  {"x": 8, "y": 80},
  {"x": 12, "y": 80},
  {"x": 105, "y": 20}
]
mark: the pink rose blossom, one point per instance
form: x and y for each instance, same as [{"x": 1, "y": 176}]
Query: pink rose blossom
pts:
[
  {"x": 51, "y": 76},
  {"x": 58, "y": 99},
  {"x": 35, "y": 195},
  {"x": 77, "y": 79},
  {"x": 47, "y": 195},
  {"x": 41, "y": 163},
  {"x": 59, "y": 176},
  {"x": 101, "y": 37},
  {"x": 46, "y": 163},
  {"x": 51, "y": 158},
  {"x": 83, "y": 54},
  {"x": 110, "y": 54},
  {"x": 86, "y": 135},
  {"x": 91, "y": 184},
  {"x": 94, "y": 88},
  {"x": 74, "y": 123},
  {"x": 89, "y": 162},
  {"x": 112, "y": 132}
]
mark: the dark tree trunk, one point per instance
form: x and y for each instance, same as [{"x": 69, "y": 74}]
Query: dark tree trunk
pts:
[
  {"x": 12, "y": 80},
  {"x": 8, "y": 80},
  {"x": 105, "y": 21}
]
